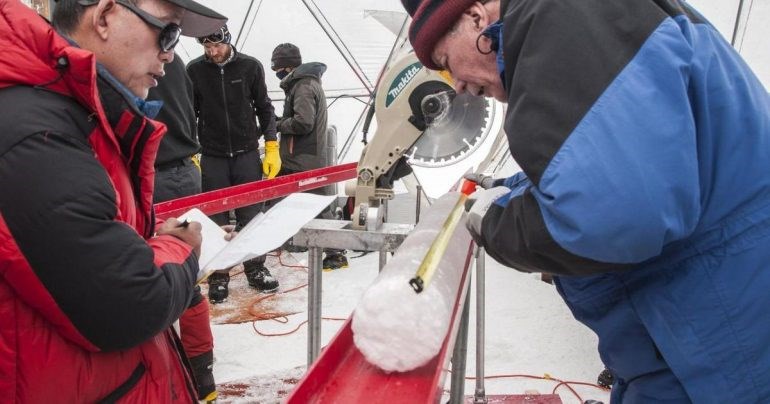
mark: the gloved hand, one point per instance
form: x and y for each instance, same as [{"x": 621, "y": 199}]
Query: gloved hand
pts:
[
  {"x": 271, "y": 164},
  {"x": 477, "y": 206},
  {"x": 196, "y": 159},
  {"x": 481, "y": 180}
]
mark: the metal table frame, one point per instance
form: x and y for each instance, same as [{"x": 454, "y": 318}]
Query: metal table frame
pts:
[{"x": 322, "y": 233}]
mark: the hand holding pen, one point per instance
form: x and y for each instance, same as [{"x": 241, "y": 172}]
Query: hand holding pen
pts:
[{"x": 186, "y": 230}]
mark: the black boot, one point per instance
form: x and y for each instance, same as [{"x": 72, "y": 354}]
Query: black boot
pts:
[
  {"x": 202, "y": 367},
  {"x": 259, "y": 277},
  {"x": 334, "y": 260},
  {"x": 218, "y": 287},
  {"x": 605, "y": 379}
]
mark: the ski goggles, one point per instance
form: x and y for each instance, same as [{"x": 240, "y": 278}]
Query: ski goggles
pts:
[
  {"x": 217, "y": 37},
  {"x": 169, "y": 32}
]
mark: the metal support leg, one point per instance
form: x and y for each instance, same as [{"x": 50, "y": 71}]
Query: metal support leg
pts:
[
  {"x": 323, "y": 233},
  {"x": 314, "y": 304},
  {"x": 418, "y": 205},
  {"x": 480, "y": 396},
  {"x": 384, "y": 254},
  {"x": 384, "y": 207},
  {"x": 383, "y": 259},
  {"x": 457, "y": 386}
]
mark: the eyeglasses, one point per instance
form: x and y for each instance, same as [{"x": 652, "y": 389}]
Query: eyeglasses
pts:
[
  {"x": 217, "y": 37},
  {"x": 169, "y": 32}
]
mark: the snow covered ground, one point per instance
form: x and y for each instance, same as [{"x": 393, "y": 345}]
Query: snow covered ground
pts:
[{"x": 529, "y": 331}]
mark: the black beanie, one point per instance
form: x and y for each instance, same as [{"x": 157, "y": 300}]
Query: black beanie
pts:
[{"x": 285, "y": 55}]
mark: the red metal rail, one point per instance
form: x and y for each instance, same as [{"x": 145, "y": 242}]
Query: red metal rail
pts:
[
  {"x": 342, "y": 375},
  {"x": 222, "y": 200}
]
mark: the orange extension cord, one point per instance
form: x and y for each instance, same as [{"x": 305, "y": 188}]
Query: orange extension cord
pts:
[
  {"x": 560, "y": 382},
  {"x": 281, "y": 318}
]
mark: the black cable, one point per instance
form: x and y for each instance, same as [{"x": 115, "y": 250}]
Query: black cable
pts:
[
  {"x": 338, "y": 97},
  {"x": 368, "y": 121}
]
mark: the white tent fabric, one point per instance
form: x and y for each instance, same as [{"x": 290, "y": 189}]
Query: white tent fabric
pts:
[{"x": 354, "y": 30}]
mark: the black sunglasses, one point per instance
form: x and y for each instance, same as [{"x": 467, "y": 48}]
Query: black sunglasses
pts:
[
  {"x": 169, "y": 32},
  {"x": 216, "y": 37}
]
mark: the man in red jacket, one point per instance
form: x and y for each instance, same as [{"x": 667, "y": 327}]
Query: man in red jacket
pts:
[{"x": 89, "y": 283}]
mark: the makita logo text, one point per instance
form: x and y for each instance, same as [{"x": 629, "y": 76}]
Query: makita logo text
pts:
[{"x": 401, "y": 82}]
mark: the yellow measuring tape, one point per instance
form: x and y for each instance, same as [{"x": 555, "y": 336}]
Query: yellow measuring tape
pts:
[{"x": 432, "y": 258}]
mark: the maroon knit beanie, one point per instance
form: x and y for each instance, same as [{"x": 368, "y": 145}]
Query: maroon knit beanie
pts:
[{"x": 431, "y": 19}]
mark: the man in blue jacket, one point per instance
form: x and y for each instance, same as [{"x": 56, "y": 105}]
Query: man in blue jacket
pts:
[{"x": 644, "y": 140}]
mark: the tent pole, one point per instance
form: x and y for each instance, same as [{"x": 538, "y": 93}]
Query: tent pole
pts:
[
  {"x": 741, "y": 22},
  {"x": 339, "y": 44}
]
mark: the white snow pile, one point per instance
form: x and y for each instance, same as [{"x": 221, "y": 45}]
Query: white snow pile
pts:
[{"x": 397, "y": 329}]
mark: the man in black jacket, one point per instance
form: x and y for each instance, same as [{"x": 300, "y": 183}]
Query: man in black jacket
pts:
[
  {"x": 230, "y": 95},
  {"x": 177, "y": 176},
  {"x": 302, "y": 126}
]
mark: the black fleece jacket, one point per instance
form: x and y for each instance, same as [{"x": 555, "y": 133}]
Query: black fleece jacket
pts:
[
  {"x": 176, "y": 91},
  {"x": 228, "y": 101}
]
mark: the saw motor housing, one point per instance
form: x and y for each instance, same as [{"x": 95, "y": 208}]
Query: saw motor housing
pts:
[{"x": 409, "y": 99}]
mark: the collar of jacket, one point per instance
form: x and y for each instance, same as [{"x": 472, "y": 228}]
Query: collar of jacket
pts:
[
  {"x": 233, "y": 54},
  {"x": 287, "y": 81},
  {"x": 310, "y": 70}
]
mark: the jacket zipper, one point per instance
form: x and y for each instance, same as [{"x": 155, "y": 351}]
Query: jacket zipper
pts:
[{"x": 227, "y": 114}]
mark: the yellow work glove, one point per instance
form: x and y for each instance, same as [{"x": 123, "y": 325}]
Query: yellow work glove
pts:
[
  {"x": 271, "y": 164},
  {"x": 196, "y": 159}
]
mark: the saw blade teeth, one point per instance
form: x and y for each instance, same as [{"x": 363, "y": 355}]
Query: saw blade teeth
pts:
[{"x": 458, "y": 136}]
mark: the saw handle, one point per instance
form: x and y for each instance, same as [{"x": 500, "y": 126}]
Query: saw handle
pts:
[{"x": 468, "y": 187}]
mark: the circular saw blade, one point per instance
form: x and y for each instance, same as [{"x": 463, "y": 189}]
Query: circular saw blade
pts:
[{"x": 454, "y": 134}]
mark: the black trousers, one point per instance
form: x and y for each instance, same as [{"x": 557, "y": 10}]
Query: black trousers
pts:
[
  {"x": 327, "y": 213},
  {"x": 176, "y": 181},
  {"x": 223, "y": 172}
]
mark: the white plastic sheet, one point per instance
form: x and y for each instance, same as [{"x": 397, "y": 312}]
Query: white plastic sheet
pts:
[{"x": 264, "y": 233}]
